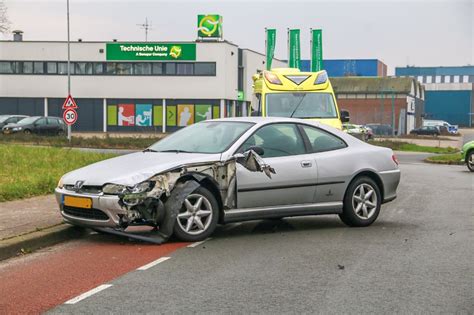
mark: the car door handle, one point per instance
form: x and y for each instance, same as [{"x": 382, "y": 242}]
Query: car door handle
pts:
[{"x": 306, "y": 164}]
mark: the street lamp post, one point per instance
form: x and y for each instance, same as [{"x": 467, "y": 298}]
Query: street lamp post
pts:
[{"x": 68, "y": 67}]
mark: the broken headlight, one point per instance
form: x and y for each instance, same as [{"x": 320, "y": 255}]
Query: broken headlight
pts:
[
  {"x": 141, "y": 188},
  {"x": 113, "y": 189}
]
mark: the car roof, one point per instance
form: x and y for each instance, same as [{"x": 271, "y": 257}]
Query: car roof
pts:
[{"x": 265, "y": 120}]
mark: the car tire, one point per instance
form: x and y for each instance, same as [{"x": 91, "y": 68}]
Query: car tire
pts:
[
  {"x": 27, "y": 132},
  {"x": 362, "y": 202},
  {"x": 470, "y": 160},
  {"x": 60, "y": 133},
  {"x": 196, "y": 219}
]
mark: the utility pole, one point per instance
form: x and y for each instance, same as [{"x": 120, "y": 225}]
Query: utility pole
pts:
[
  {"x": 147, "y": 27},
  {"x": 69, "y": 136}
]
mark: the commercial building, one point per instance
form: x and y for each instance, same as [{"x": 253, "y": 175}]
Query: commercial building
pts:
[
  {"x": 129, "y": 86},
  {"x": 398, "y": 102},
  {"x": 350, "y": 67},
  {"x": 449, "y": 92}
]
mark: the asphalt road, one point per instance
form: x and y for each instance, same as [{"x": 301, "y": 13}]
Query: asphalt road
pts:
[{"x": 418, "y": 257}]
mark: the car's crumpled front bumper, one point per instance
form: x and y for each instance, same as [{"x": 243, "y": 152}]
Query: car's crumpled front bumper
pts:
[{"x": 104, "y": 212}]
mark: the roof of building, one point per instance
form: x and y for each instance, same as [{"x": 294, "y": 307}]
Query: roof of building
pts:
[
  {"x": 372, "y": 84},
  {"x": 420, "y": 71}
]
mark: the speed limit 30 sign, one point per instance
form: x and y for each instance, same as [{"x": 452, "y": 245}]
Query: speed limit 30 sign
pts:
[{"x": 70, "y": 116}]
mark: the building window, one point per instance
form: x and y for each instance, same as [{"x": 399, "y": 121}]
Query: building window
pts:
[
  {"x": 7, "y": 67},
  {"x": 456, "y": 79},
  {"x": 429, "y": 79},
  {"x": 110, "y": 68},
  {"x": 205, "y": 68},
  {"x": 420, "y": 79},
  {"x": 465, "y": 78},
  {"x": 447, "y": 79},
  {"x": 38, "y": 67},
  {"x": 98, "y": 68},
  {"x": 27, "y": 67},
  {"x": 123, "y": 68},
  {"x": 51, "y": 68},
  {"x": 185, "y": 69},
  {"x": 142, "y": 68},
  {"x": 157, "y": 68},
  {"x": 62, "y": 68},
  {"x": 83, "y": 68},
  {"x": 170, "y": 68},
  {"x": 438, "y": 79},
  {"x": 471, "y": 79}
]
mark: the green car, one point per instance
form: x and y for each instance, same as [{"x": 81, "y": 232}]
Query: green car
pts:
[{"x": 467, "y": 154}]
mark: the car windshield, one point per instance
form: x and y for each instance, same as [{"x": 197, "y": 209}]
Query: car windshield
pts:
[
  {"x": 3, "y": 118},
  {"x": 27, "y": 121},
  {"x": 301, "y": 105},
  {"x": 203, "y": 137}
]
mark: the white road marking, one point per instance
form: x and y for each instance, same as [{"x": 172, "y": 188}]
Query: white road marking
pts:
[
  {"x": 153, "y": 263},
  {"x": 198, "y": 243},
  {"x": 88, "y": 293}
]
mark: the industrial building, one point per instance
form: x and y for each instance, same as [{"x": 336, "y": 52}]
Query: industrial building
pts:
[
  {"x": 129, "y": 86},
  {"x": 449, "y": 92},
  {"x": 398, "y": 102},
  {"x": 350, "y": 67}
]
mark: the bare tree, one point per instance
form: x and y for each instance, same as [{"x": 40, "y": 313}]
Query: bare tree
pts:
[{"x": 4, "y": 21}]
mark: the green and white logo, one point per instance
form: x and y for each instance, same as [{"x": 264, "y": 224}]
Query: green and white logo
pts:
[
  {"x": 175, "y": 52},
  {"x": 209, "y": 25}
]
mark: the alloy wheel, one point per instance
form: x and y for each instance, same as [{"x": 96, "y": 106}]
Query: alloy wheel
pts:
[
  {"x": 364, "y": 201},
  {"x": 196, "y": 214},
  {"x": 470, "y": 161}
]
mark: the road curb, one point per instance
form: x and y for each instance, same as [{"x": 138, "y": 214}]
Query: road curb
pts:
[
  {"x": 31, "y": 241},
  {"x": 427, "y": 160}
]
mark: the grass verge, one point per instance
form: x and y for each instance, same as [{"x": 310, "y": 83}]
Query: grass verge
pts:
[
  {"x": 32, "y": 171},
  {"x": 83, "y": 142},
  {"x": 404, "y": 146},
  {"x": 452, "y": 159}
]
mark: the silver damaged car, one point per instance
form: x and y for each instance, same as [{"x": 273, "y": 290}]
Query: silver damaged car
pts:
[{"x": 230, "y": 170}]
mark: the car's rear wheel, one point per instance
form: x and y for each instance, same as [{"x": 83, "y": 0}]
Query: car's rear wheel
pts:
[
  {"x": 27, "y": 132},
  {"x": 198, "y": 216},
  {"x": 362, "y": 202},
  {"x": 470, "y": 161}
]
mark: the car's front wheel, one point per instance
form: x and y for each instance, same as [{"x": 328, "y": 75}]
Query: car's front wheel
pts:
[
  {"x": 198, "y": 216},
  {"x": 470, "y": 161},
  {"x": 361, "y": 203}
]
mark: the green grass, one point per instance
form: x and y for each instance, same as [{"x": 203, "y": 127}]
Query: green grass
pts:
[
  {"x": 92, "y": 142},
  {"x": 32, "y": 171},
  {"x": 453, "y": 158},
  {"x": 404, "y": 146}
]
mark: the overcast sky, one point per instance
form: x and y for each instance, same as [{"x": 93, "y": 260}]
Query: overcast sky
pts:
[{"x": 420, "y": 33}]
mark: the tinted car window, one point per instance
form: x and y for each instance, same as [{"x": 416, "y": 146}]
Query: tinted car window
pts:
[
  {"x": 322, "y": 141},
  {"x": 41, "y": 121},
  {"x": 53, "y": 121},
  {"x": 276, "y": 140}
]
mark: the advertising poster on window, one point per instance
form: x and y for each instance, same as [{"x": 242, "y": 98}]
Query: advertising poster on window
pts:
[
  {"x": 185, "y": 115},
  {"x": 171, "y": 115},
  {"x": 203, "y": 112},
  {"x": 126, "y": 115},
  {"x": 143, "y": 115},
  {"x": 216, "y": 112},
  {"x": 157, "y": 115},
  {"x": 112, "y": 115}
]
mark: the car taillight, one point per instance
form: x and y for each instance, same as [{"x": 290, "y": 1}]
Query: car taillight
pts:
[{"x": 394, "y": 158}]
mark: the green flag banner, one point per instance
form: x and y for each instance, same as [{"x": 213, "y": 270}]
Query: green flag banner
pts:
[
  {"x": 294, "y": 48},
  {"x": 316, "y": 50},
  {"x": 270, "y": 46}
]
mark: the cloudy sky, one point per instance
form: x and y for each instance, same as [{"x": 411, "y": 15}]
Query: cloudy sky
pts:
[{"x": 421, "y": 33}]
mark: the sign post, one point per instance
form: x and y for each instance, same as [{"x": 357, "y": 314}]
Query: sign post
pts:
[{"x": 68, "y": 71}]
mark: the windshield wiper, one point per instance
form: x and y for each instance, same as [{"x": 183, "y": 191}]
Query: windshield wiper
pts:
[
  {"x": 297, "y": 105},
  {"x": 149, "y": 150},
  {"x": 177, "y": 151}
]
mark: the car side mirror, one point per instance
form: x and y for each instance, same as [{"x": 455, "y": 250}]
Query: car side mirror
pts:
[
  {"x": 252, "y": 161},
  {"x": 257, "y": 149},
  {"x": 345, "y": 117}
]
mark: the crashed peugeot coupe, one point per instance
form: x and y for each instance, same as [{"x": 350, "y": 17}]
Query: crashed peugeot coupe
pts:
[{"x": 229, "y": 170}]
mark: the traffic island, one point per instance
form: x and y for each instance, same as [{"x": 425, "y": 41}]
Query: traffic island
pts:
[{"x": 446, "y": 159}]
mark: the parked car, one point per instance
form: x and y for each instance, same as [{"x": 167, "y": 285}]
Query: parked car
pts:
[
  {"x": 359, "y": 131},
  {"x": 10, "y": 119},
  {"x": 381, "y": 129},
  {"x": 426, "y": 130},
  {"x": 230, "y": 170},
  {"x": 467, "y": 155},
  {"x": 37, "y": 125},
  {"x": 452, "y": 129}
]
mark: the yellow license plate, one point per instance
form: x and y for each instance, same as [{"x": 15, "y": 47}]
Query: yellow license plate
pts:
[{"x": 78, "y": 202}]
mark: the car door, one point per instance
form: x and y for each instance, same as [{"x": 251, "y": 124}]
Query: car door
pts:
[
  {"x": 40, "y": 126},
  {"x": 295, "y": 171},
  {"x": 332, "y": 157}
]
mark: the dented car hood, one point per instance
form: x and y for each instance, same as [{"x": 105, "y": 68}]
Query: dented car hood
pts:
[{"x": 134, "y": 168}]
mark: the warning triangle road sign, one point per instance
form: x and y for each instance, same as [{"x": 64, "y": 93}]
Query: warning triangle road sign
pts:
[{"x": 69, "y": 103}]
